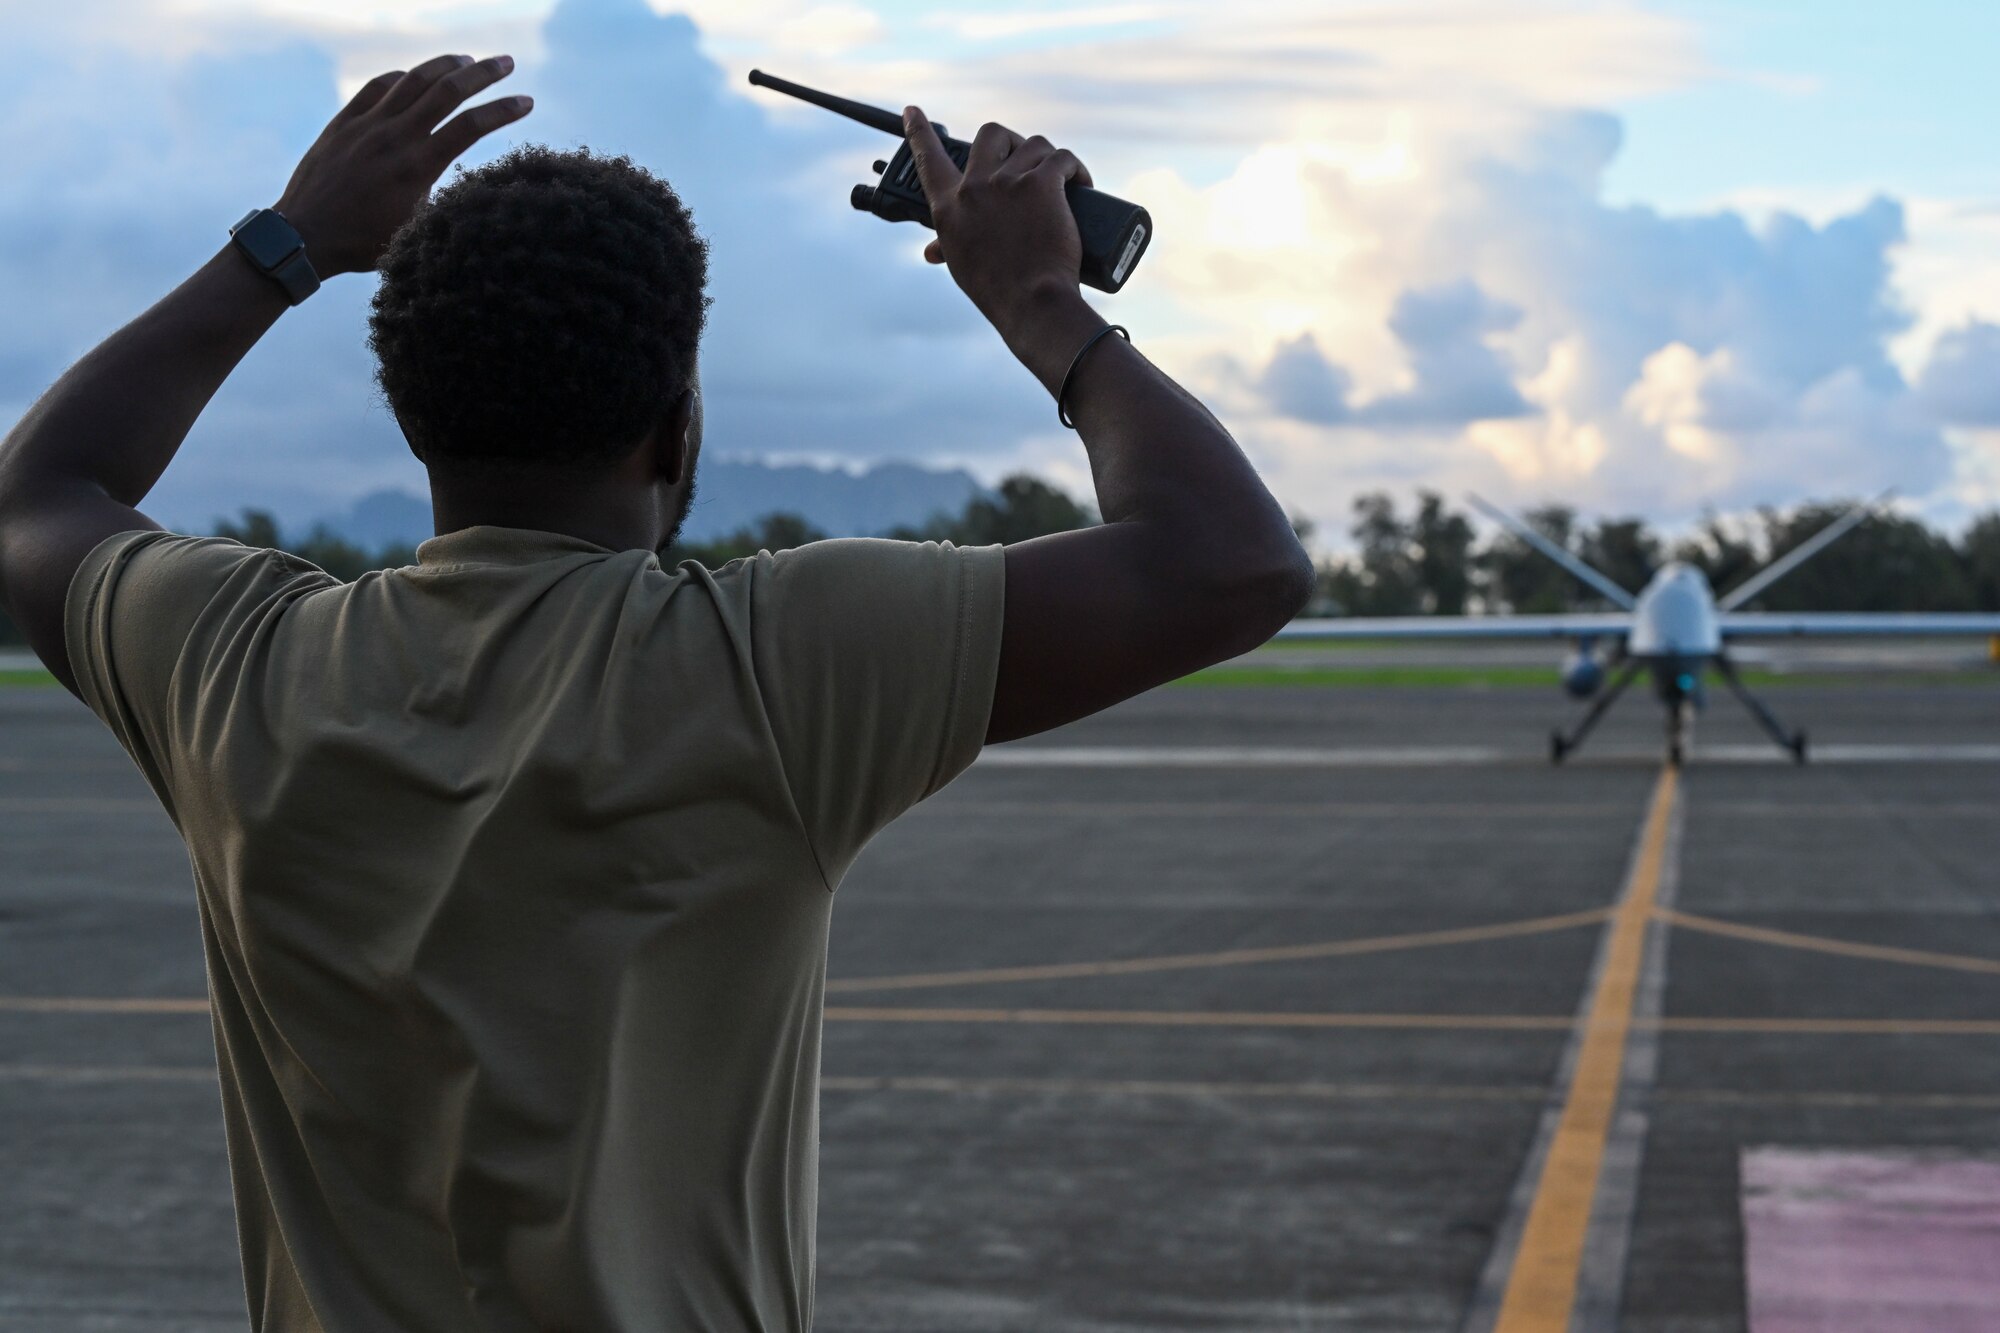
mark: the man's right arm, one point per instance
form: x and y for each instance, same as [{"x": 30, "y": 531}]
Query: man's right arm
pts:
[{"x": 1195, "y": 562}]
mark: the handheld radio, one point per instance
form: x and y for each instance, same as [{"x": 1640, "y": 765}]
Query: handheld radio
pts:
[{"x": 1114, "y": 232}]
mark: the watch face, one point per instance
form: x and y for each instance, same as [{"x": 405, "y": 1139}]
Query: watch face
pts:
[{"x": 269, "y": 239}]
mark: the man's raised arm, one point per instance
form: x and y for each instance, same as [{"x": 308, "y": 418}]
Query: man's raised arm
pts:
[
  {"x": 76, "y": 466},
  {"x": 1195, "y": 561}
]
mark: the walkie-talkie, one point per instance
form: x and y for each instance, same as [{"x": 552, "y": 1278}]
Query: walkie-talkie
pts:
[{"x": 1114, "y": 233}]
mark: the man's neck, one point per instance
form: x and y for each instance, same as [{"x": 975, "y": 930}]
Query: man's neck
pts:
[{"x": 608, "y": 511}]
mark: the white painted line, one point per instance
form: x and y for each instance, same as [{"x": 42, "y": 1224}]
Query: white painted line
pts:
[
  {"x": 110, "y": 1073},
  {"x": 77, "y": 805},
  {"x": 1238, "y": 756},
  {"x": 1091, "y": 1087},
  {"x": 1444, "y": 756},
  {"x": 1851, "y": 754}
]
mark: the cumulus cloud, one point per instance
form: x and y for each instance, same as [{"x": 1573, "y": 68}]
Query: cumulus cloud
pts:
[
  {"x": 1961, "y": 382},
  {"x": 1457, "y": 377},
  {"x": 1543, "y": 342},
  {"x": 1383, "y": 250},
  {"x": 828, "y": 337},
  {"x": 1299, "y": 382}
]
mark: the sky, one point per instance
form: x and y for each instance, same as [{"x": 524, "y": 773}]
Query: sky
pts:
[{"x": 1644, "y": 258}]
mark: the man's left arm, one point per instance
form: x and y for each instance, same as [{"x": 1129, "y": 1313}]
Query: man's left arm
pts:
[{"x": 76, "y": 466}]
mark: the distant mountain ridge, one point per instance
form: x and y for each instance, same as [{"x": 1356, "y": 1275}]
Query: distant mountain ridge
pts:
[{"x": 730, "y": 493}]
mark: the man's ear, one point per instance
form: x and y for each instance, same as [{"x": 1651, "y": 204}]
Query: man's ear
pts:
[{"x": 673, "y": 445}]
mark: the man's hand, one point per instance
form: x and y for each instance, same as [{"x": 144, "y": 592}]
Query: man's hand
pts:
[
  {"x": 1194, "y": 562},
  {"x": 1006, "y": 232},
  {"x": 1003, "y": 224},
  {"x": 378, "y": 158},
  {"x": 76, "y": 466}
]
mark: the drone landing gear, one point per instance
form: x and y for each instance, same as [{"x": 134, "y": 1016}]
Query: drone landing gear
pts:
[
  {"x": 1562, "y": 746},
  {"x": 1680, "y": 720},
  {"x": 1794, "y": 741}
]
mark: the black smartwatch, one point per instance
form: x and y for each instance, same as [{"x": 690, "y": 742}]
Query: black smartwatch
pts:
[{"x": 277, "y": 250}]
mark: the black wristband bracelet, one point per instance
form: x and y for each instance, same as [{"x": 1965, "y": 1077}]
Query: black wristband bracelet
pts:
[{"x": 1062, "y": 412}]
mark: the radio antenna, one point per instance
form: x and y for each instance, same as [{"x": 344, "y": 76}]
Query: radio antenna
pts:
[{"x": 873, "y": 116}]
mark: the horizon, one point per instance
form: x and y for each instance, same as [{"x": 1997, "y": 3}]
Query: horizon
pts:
[{"x": 1642, "y": 259}]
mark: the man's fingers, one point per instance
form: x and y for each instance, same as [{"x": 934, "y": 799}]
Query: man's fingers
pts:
[
  {"x": 369, "y": 94},
  {"x": 1034, "y": 151},
  {"x": 418, "y": 82},
  {"x": 469, "y": 127},
  {"x": 448, "y": 93},
  {"x": 935, "y": 169},
  {"x": 1066, "y": 165},
  {"x": 990, "y": 147},
  {"x": 934, "y": 252}
]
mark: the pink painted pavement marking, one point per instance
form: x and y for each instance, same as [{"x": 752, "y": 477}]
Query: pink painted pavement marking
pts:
[{"x": 1893, "y": 1241}]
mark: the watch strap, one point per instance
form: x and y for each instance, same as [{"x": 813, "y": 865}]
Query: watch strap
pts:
[
  {"x": 294, "y": 272},
  {"x": 296, "y": 276}
]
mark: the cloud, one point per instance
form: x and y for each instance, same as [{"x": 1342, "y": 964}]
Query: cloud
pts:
[
  {"x": 828, "y": 338},
  {"x": 1456, "y": 376},
  {"x": 1486, "y": 310},
  {"x": 1299, "y": 382},
  {"x": 1194, "y": 72},
  {"x": 1961, "y": 382},
  {"x": 124, "y": 173},
  {"x": 991, "y": 25},
  {"x": 1384, "y": 251}
]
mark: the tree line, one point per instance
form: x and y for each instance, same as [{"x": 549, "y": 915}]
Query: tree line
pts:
[
  {"x": 1427, "y": 560},
  {"x": 1021, "y": 507}
]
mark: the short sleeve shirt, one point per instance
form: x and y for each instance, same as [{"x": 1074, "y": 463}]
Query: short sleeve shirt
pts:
[{"x": 514, "y": 870}]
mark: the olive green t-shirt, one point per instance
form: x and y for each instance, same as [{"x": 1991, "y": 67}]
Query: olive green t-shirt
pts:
[{"x": 514, "y": 869}]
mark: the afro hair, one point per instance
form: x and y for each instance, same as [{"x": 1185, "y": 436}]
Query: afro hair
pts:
[{"x": 543, "y": 308}]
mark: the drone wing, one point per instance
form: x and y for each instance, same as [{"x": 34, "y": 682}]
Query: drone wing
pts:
[
  {"x": 1609, "y": 624},
  {"x": 1856, "y": 624}
]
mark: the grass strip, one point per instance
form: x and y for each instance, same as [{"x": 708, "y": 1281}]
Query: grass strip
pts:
[{"x": 1525, "y": 677}]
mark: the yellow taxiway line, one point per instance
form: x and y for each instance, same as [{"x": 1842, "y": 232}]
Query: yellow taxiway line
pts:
[
  {"x": 1542, "y": 1284},
  {"x": 1223, "y": 958},
  {"x": 1785, "y": 939},
  {"x": 98, "y": 1004},
  {"x": 1207, "y": 1018},
  {"x": 1203, "y": 1018}
]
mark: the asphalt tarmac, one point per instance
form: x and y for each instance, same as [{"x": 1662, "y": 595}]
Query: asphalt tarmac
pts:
[{"x": 1249, "y": 1008}]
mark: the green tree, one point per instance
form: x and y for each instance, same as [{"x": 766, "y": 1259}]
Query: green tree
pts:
[
  {"x": 1721, "y": 551},
  {"x": 1423, "y": 565},
  {"x": 255, "y": 528},
  {"x": 1023, "y": 506},
  {"x": 778, "y": 531},
  {"x": 1979, "y": 555},
  {"x": 322, "y": 546},
  {"x": 1386, "y": 560},
  {"x": 337, "y": 556},
  {"x": 1889, "y": 563},
  {"x": 1624, "y": 550},
  {"x": 1521, "y": 579},
  {"x": 1443, "y": 541}
]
